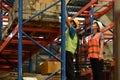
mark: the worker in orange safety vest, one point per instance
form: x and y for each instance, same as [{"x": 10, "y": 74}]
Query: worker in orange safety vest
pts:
[{"x": 95, "y": 50}]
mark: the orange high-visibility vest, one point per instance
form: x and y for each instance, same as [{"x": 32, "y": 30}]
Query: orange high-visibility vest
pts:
[{"x": 94, "y": 46}]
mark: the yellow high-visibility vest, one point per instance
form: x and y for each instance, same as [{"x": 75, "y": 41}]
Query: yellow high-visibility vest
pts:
[{"x": 71, "y": 44}]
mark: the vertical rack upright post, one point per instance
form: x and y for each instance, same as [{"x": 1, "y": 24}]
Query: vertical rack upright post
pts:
[
  {"x": 20, "y": 39},
  {"x": 92, "y": 14},
  {"x": 0, "y": 19},
  {"x": 63, "y": 20}
]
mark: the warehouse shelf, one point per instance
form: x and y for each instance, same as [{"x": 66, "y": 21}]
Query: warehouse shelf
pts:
[{"x": 22, "y": 38}]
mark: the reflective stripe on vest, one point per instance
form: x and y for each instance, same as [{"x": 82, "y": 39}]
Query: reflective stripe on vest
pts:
[
  {"x": 71, "y": 44},
  {"x": 94, "y": 46}
]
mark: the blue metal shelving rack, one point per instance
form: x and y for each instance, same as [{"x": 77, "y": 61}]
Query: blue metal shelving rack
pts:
[
  {"x": 21, "y": 23},
  {"x": 0, "y": 20}
]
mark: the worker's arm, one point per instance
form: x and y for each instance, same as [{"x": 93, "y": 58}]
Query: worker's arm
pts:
[
  {"x": 72, "y": 30},
  {"x": 101, "y": 47},
  {"x": 68, "y": 22}
]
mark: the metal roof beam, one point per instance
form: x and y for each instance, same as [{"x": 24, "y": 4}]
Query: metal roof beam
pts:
[{"x": 84, "y": 8}]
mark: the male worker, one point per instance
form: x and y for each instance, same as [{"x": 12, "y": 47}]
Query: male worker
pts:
[{"x": 71, "y": 45}]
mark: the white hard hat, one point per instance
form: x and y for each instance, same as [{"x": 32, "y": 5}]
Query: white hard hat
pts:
[{"x": 99, "y": 23}]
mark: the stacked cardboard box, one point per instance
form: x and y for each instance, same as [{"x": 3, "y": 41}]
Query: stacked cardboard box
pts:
[{"x": 49, "y": 67}]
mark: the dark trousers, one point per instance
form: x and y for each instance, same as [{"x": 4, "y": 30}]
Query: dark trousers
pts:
[
  {"x": 69, "y": 66},
  {"x": 97, "y": 68}
]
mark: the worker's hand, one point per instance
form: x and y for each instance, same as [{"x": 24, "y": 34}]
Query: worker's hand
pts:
[{"x": 100, "y": 56}]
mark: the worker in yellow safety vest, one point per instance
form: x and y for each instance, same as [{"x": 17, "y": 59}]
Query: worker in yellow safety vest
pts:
[
  {"x": 71, "y": 45},
  {"x": 95, "y": 50}
]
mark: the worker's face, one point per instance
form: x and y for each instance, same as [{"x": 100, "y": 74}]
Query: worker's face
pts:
[
  {"x": 73, "y": 24},
  {"x": 94, "y": 26}
]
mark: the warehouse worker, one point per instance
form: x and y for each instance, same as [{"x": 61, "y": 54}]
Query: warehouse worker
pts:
[
  {"x": 71, "y": 45},
  {"x": 95, "y": 50}
]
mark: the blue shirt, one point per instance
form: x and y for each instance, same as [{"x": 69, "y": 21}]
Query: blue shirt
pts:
[
  {"x": 72, "y": 31},
  {"x": 101, "y": 36}
]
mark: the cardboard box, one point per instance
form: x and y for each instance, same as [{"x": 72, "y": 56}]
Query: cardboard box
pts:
[{"x": 49, "y": 67}]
